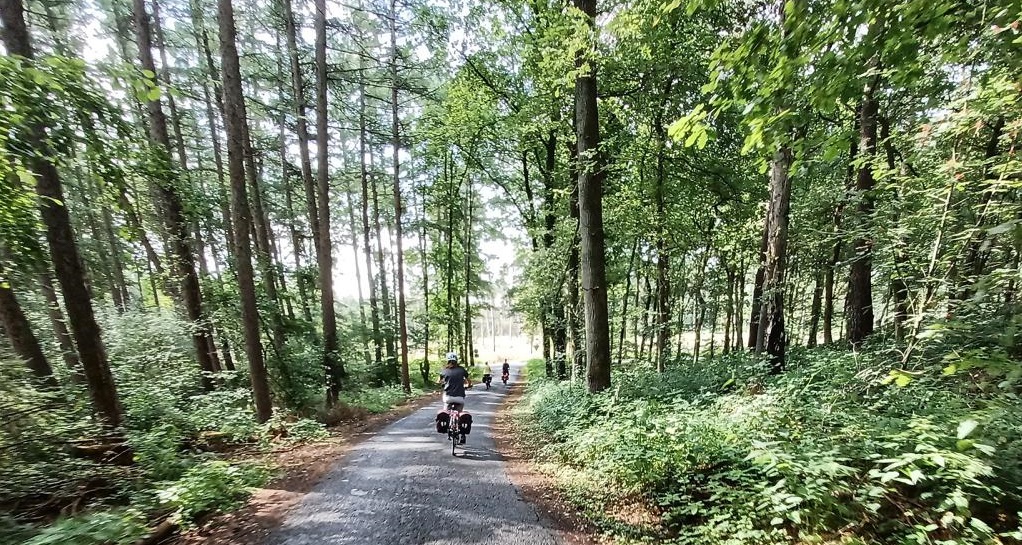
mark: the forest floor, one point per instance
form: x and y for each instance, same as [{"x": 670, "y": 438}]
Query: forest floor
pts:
[{"x": 298, "y": 470}]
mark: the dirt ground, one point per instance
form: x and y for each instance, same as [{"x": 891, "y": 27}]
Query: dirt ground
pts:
[
  {"x": 299, "y": 469},
  {"x": 536, "y": 486}
]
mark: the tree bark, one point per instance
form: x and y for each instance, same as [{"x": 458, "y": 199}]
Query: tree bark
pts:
[
  {"x": 757, "y": 298},
  {"x": 424, "y": 370},
  {"x": 301, "y": 121},
  {"x": 776, "y": 259},
  {"x": 814, "y": 311},
  {"x": 374, "y": 308},
  {"x": 398, "y": 228},
  {"x": 202, "y": 43},
  {"x": 22, "y": 338},
  {"x": 67, "y": 347},
  {"x": 169, "y": 202},
  {"x": 235, "y": 120},
  {"x": 860, "y": 284},
  {"x": 590, "y": 191},
  {"x": 624, "y": 302},
  {"x": 387, "y": 330},
  {"x": 331, "y": 358},
  {"x": 61, "y": 240}
]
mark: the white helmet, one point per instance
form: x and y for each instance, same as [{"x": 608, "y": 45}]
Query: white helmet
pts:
[{"x": 452, "y": 356}]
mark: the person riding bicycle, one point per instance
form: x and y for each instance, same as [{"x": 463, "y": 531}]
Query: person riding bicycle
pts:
[
  {"x": 487, "y": 374},
  {"x": 454, "y": 377},
  {"x": 506, "y": 368}
]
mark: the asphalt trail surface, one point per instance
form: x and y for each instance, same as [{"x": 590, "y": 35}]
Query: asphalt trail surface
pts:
[{"x": 403, "y": 487}]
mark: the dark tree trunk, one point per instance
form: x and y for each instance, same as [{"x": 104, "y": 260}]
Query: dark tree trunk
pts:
[
  {"x": 61, "y": 240},
  {"x": 663, "y": 284},
  {"x": 202, "y": 43},
  {"x": 624, "y": 302},
  {"x": 814, "y": 311},
  {"x": 469, "y": 348},
  {"x": 574, "y": 314},
  {"x": 757, "y": 297},
  {"x": 331, "y": 358},
  {"x": 374, "y": 308},
  {"x": 301, "y": 124},
  {"x": 860, "y": 283},
  {"x": 67, "y": 347},
  {"x": 398, "y": 228},
  {"x": 590, "y": 198},
  {"x": 776, "y": 259},
  {"x": 387, "y": 332},
  {"x": 235, "y": 120},
  {"x": 22, "y": 339},
  {"x": 899, "y": 283},
  {"x": 424, "y": 370},
  {"x": 170, "y": 204},
  {"x": 113, "y": 243},
  {"x": 838, "y": 248}
]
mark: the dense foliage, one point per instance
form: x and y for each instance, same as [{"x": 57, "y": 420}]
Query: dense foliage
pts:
[{"x": 831, "y": 451}]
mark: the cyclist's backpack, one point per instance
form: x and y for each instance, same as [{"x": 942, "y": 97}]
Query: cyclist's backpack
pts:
[
  {"x": 465, "y": 425},
  {"x": 443, "y": 421}
]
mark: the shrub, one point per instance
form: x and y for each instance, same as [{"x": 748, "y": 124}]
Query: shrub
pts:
[
  {"x": 838, "y": 445},
  {"x": 209, "y": 487}
]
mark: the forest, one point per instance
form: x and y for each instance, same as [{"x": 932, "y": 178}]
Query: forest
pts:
[{"x": 769, "y": 252}]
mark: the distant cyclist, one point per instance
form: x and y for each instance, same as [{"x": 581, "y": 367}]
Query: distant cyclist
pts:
[
  {"x": 487, "y": 374},
  {"x": 505, "y": 371}
]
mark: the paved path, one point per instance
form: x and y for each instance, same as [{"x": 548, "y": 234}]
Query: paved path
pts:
[{"x": 403, "y": 487}]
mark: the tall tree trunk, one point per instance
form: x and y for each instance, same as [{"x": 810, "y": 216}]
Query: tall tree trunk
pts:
[
  {"x": 814, "y": 311},
  {"x": 398, "y": 228},
  {"x": 755, "y": 336},
  {"x": 301, "y": 123},
  {"x": 331, "y": 358},
  {"x": 22, "y": 339},
  {"x": 574, "y": 316},
  {"x": 860, "y": 283},
  {"x": 202, "y": 43},
  {"x": 169, "y": 202},
  {"x": 838, "y": 247},
  {"x": 374, "y": 308},
  {"x": 261, "y": 236},
  {"x": 590, "y": 192},
  {"x": 350, "y": 205},
  {"x": 899, "y": 283},
  {"x": 424, "y": 370},
  {"x": 61, "y": 239},
  {"x": 297, "y": 244},
  {"x": 776, "y": 259},
  {"x": 663, "y": 284},
  {"x": 729, "y": 312},
  {"x": 624, "y": 301},
  {"x": 391, "y": 369},
  {"x": 235, "y": 120},
  {"x": 116, "y": 255},
  {"x": 67, "y": 347},
  {"x": 469, "y": 348}
]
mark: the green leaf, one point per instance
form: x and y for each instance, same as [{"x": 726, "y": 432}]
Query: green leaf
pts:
[
  {"x": 965, "y": 428},
  {"x": 153, "y": 94}
]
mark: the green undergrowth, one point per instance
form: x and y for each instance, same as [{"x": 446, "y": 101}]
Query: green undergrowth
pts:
[
  {"x": 186, "y": 453},
  {"x": 840, "y": 448}
]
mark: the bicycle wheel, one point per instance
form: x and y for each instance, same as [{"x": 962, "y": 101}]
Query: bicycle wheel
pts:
[{"x": 454, "y": 442}]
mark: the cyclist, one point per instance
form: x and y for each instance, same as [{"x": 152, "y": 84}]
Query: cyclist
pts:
[
  {"x": 454, "y": 377},
  {"x": 487, "y": 374},
  {"x": 505, "y": 370}
]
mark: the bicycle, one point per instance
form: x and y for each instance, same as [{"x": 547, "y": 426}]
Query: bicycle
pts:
[{"x": 453, "y": 425}]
